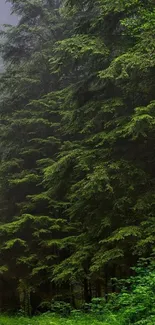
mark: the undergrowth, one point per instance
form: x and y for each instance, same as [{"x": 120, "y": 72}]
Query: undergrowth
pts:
[
  {"x": 50, "y": 319},
  {"x": 135, "y": 304}
]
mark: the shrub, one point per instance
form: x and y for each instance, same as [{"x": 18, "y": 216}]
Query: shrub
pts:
[{"x": 136, "y": 302}]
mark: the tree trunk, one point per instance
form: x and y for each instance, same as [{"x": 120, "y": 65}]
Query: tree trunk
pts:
[
  {"x": 87, "y": 291},
  {"x": 24, "y": 297}
]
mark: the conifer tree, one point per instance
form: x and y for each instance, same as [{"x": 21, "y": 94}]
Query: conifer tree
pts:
[
  {"x": 28, "y": 144},
  {"x": 107, "y": 116}
]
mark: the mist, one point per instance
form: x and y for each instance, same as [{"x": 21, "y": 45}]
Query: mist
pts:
[{"x": 5, "y": 14}]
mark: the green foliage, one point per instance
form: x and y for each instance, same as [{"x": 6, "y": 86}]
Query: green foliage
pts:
[
  {"x": 76, "y": 146},
  {"x": 49, "y": 319},
  {"x": 135, "y": 304},
  {"x": 103, "y": 173},
  {"x": 58, "y": 307}
]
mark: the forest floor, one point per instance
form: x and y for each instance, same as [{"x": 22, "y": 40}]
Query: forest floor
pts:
[{"x": 54, "y": 320}]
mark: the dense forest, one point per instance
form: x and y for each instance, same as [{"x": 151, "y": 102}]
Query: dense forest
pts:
[{"x": 77, "y": 149}]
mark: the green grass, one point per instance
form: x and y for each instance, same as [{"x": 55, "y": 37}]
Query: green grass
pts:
[{"x": 50, "y": 319}]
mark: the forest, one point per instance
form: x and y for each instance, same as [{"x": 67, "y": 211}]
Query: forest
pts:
[{"x": 77, "y": 152}]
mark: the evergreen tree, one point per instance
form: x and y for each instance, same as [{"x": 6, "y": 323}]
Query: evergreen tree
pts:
[
  {"x": 107, "y": 110},
  {"x": 29, "y": 142}
]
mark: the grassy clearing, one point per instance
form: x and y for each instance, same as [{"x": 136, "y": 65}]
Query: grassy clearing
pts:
[{"x": 55, "y": 320}]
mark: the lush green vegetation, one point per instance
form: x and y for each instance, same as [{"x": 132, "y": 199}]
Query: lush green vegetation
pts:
[
  {"x": 135, "y": 304},
  {"x": 77, "y": 164},
  {"x": 51, "y": 320}
]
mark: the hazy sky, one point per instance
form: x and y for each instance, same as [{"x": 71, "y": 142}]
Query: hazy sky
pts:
[{"x": 5, "y": 17}]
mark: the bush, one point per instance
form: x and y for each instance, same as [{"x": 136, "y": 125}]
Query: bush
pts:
[
  {"x": 136, "y": 302},
  {"x": 58, "y": 307}
]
